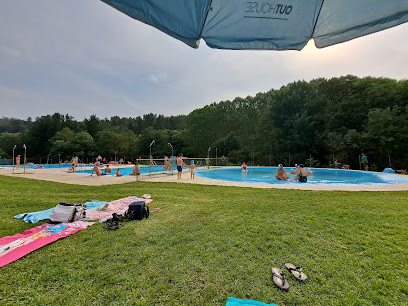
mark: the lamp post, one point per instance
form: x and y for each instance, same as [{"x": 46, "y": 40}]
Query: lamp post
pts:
[
  {"x": 171, "y": 148},
  {"x": 59, "y": 158},
  {"x": 15, "y": 146},
  {"x": 25, "y": 157},
  {"x": 48, "y": 158},
  {"x": 216, "y": 156},
  {"x": 115, "y": 156},
  {"x": 208, "y": 157},
  {"x": 171, "y": 157},
  {"x": 151, "y": 158}
]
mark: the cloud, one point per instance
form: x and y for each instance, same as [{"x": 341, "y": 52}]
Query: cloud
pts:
[
  {"x": 11, "y": 93},
  {"x": 157, "y": 78}
]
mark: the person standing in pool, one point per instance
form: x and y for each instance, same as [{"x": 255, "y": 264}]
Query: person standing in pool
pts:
[
  {"x": 180, "y": 164},
  {"x": 281, "y": 173},
  {"x": 364, "y": 161},
  {"x": 244, "y": 167},
  {"x": 301, "y": 174}
]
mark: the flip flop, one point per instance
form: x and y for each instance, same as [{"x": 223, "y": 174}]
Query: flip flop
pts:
[
  {"x": 279, "y": 279},
  {"x": 297, "y": 272}
]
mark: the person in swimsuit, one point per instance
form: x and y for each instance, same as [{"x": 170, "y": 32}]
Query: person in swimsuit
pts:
[
  {"x": 136, "y": 170},
  {"x": 18, "y": 161},
  {"x": 193, "y": 169},
  {"x": 281, "y": 173},
  {"x": 180, "y": 164},
  {"x": 301, "y": 174},
  {"x": 96, "y": 169},
  {"x": 244, "y": 167},
  {"x": 364, "y": 161},
  {"x": 118, "y": 172},
  {"x": 108, "y": 170}
]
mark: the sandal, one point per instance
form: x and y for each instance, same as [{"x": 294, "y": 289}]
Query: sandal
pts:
[
  {"x": 297, "y": 272},
  {"x": 111, "y": 225},
  {"x": 279, "y": 279}
]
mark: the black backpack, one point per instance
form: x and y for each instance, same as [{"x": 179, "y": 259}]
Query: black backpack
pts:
[{"x": 138, "y": 211}]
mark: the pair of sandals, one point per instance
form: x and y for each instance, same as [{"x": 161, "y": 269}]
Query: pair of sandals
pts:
[
  {"x": 112, "y": 224},
  {"x": 280, "y": 280}
]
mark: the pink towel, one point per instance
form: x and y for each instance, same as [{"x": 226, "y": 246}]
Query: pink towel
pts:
[
  {"x": 118, "y": 206},
  {"x": 19, "y": 245}
]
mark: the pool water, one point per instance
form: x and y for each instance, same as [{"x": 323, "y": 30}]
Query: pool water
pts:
[
  {"x": 49, "y": 166},
  {"x": 321, "y": 177}
]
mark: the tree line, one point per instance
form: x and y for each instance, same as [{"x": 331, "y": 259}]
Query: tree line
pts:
[{"x": 303, "y": 122}]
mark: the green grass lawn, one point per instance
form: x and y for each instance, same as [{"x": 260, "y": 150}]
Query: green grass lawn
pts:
[{"x": 212, "y": 242}]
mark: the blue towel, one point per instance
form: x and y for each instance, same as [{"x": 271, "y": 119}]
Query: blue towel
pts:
[
  {"x": 238, "y": 302},
  {"x": 34, "y": 217}
]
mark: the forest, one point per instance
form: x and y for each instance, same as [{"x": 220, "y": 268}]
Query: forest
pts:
[{"x": 303, "y": 122}]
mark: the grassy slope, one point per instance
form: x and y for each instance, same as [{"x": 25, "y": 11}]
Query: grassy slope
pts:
[{"x": 212, "y": 242}]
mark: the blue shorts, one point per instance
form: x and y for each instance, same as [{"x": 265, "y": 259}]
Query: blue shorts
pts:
[{"x": 179, "y": 168}]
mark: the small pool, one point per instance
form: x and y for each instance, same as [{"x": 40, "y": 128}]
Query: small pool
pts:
[
  {"x": 46, "y": 166},
  {"x": 321, "y": 177},
  {"x": 128, "y": 170}
]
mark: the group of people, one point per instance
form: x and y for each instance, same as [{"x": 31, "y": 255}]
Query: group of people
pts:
[
  {"x": 281, "y": 174},
  {"x": 180, "y": 164},
  {"x": 108, "y": 170},
  {"x": 300, "y": 171}
]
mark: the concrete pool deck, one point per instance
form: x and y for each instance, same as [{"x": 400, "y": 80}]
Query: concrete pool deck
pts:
[{"x": 61, "y": 176}]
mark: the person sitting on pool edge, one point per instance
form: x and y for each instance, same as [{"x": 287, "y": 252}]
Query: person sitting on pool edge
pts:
[
  {"x": 301, "y": 174},
  {"x": 108, "y": 170},
  {"x": 281, "y": 173},
  {"x": 136, "y": 170},
  {"x": 118, "y": 172},
  {"x": 96, "y": 169}
]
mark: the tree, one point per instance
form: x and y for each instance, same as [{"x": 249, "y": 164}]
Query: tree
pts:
[
  {"x": 7, "y": 142},
  {"x": 82, "y": 145}
]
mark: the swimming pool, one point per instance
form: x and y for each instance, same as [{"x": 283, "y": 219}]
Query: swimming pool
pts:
[
  {"x": 128, "y": 170},
  {"x": 46, "y": 166},
  {"x": 321, "y": 177}
]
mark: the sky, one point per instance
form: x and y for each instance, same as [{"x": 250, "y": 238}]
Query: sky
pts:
[{"x": 83, "y": 58}]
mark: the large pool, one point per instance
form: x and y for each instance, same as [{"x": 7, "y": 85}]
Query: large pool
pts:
[{"x": 321, "y": 177}]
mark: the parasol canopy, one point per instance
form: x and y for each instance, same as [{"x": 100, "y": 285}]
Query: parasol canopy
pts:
[{"x": 269, "y": 25}]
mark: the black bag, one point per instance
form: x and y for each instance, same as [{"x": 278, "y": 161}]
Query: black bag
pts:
[{"x": 138, "y": 211}]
